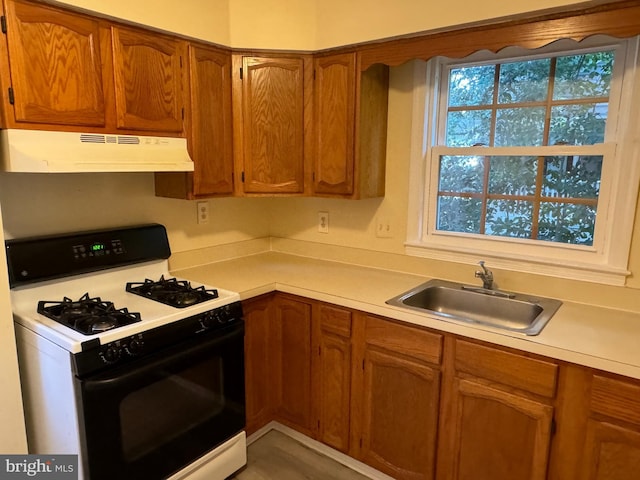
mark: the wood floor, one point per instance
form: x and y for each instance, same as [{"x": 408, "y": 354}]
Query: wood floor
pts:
[{"x": 275, "y": 456}]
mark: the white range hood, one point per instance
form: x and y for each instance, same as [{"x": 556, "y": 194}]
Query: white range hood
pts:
[{"x": 36, "y": 151}]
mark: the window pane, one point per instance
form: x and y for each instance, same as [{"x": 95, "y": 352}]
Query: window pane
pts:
[
  {"x": 459, "y": 214},
  {"x": 581, "y": 76},
  {"x": 567, "y": 223},
  {"x": 471, "y": 85},
  {"x": 581, "y": 124},
  {"x": 509, "y": 218},
  {"x": 519, "y": 126},
  {"x": 524, "y": 81},
  {"x": 461, "y": 174},
  {"x": 513, "y": 175},
  {"x": 572, "y": 177},
  {"x": 468, "y": 127}
]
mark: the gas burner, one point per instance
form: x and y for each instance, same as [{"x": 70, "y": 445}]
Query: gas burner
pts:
[
  {"x": 87, "y": 315},
  {"x": 172, "y": 292}
]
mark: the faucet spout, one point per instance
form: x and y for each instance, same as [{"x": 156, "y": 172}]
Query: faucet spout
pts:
[{"x": 486, "y": 275}]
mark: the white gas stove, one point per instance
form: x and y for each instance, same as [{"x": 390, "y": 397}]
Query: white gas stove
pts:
[{"x": 138, "y": 372}]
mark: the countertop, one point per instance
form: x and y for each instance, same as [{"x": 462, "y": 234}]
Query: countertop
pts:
[{"x": 601, "y": 338}]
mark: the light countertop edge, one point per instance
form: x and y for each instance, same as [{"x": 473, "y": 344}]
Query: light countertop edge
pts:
[{"x": 596, "y": 337}]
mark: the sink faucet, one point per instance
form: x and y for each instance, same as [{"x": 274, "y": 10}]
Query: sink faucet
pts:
[{"x": 486, "y": 275}]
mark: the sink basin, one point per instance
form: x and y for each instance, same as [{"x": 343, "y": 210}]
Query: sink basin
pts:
[{"x": 504, "y": 310}]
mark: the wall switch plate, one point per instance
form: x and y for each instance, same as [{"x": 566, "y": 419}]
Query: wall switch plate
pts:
[
  {"x": 203, "y": 212},
  {"x": 323, "y": 222},
  {"x": 383, "y": 228}
]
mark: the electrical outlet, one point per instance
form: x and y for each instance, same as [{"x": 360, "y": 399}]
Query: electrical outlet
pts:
[
  {"x": 203, "y": 212},
  {"x": 383, "y": 228},
  {"x": 323, "y": 222}
]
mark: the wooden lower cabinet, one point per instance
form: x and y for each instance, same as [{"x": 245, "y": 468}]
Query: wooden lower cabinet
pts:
[
  {"x": 497, "y": 415},
  {"x": 612, "y": 441},
  {"x": 292, "y": 363},
  {"x": 420, "y": 405},
  {"x": 332, "y": 329},
  {"x": 396, "y": 397},
  {"x": 258, "y": 362}
]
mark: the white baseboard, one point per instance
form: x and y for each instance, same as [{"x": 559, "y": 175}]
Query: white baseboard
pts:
[{"x": 325, "y": 450}]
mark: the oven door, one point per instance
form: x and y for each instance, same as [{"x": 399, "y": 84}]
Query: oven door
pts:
[{"x": 152, "y": 418}]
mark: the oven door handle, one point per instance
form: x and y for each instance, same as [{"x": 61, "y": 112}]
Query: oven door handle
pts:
[{"x": 174, "y": 356}]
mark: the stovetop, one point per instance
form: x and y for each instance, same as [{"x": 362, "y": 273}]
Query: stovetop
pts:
[
  {"x": 107, "y": 290},
  {"x": 87, "y": 315},
  {"x": 171, "y": 291}
]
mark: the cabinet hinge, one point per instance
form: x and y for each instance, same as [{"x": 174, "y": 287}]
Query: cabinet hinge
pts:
[
  {"x": 240, "y": 73},
  {"x": 183, "y": 113},
  {"x": 242, "y": 177},
  {"x": 180, "y": 61},
  {"x": 3, "y": 23},
  {"x": 12, "y": 99}
]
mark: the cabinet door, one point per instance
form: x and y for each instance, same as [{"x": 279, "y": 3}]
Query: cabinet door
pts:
[
  {"x": 292, "y": 364},
  {"x": 495, "y": 435},
  {"x": 400, "y": 415},
  {"x": 258, "y": 353},
  {"x": 211, "y": 137},
  {"x": 334, "y": 108},
  {"x": 611, "y": 452},
  {"x": 56, "y": 69},
  {"x": 273, "y": 125},
  {"x": 148, "y": 80},
  {"x": 334, "y": 375}
]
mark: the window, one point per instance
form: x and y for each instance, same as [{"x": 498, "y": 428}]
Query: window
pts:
[{"x": 525, "y": 157}]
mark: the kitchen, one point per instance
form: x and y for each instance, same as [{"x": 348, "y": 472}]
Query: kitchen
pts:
[{"x": 34, "y": 204}]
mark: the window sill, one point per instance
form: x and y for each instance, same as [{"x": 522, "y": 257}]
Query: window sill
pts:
[{"x": 603, "y": 274}]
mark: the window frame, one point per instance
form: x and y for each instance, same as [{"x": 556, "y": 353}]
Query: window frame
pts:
[{"x": 607, "y": 259}]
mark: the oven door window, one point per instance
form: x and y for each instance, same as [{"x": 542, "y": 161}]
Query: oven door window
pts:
[{"x": 151, "y": 419}]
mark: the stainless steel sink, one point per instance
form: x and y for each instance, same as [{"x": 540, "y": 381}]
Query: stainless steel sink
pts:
[{"x": 504, "y": 310}]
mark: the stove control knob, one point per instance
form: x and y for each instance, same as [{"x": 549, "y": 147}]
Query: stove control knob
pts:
[
  {"x": 112, "y": 354},
  {"x": 134, "y": 347},
  {"x": 207, "y": 320}
]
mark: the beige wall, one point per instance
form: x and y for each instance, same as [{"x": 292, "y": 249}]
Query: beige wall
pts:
[
  {"x": 341, "y": 22},
  {"x": 306, "y": 24},
  {"x": 36, "y": 204},
  {"x": 205, "y": 19}
]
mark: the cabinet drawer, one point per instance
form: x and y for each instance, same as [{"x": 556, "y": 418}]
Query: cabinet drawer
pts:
[
  {"x": 409, "y": 341},
  {"x": 335, "y": 320},
  {"x": 616, "y": 399},
  {"x": 528, "y": 374}
]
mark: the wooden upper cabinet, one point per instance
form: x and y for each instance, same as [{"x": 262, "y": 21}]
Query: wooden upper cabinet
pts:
[
  {"x": 56, "y": 66},
  {"x": 350, "y": 127},
  {"x": 148, "y": 80},
  {"x": 211, "y": 135},
  {"x": 209, "y": 129},
  {"x": 334, "y": 110},
  {"x": 272, "y": 125}
]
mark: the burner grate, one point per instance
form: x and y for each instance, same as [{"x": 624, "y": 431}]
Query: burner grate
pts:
[
  {"x": 172, "y": 292},
  {"x": 87, "y": 315}
]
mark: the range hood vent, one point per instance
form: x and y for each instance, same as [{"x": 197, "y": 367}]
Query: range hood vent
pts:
[{"x": 34, "y": 151}]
